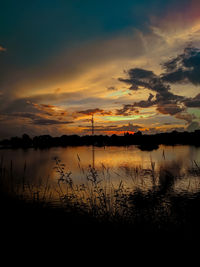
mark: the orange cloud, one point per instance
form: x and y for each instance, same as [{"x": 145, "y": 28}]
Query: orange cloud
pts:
[
  {"x": 2, "y": 49},
  {"x": 50, "y": 110}
]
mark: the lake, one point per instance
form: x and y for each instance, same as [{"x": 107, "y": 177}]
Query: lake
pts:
[{"x": 113, "y": 164}]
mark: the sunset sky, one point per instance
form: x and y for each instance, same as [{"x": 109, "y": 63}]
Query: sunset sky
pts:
[{"x": 133, "y": 64}]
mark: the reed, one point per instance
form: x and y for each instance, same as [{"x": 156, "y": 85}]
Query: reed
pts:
[{"x": 99, "y": 197}]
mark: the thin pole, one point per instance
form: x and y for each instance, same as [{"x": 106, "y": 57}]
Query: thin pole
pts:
[{"x": 92, "y": 124}]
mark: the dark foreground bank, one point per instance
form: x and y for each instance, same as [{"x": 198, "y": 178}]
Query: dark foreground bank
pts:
[{"x": 41, "y": 220}]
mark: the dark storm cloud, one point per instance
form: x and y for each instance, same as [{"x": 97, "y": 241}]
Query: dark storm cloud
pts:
[
  {"x": 185, "y": 68},
  {"x": 166, "y": 101},
  {"x": 145, "y": 103},
  {"x": 140, "y": 78}
]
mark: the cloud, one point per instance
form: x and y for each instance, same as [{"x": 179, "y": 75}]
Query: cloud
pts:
[
  {"x": 50, "y": 110},
  {"x": 37, "y": 119},
  {"x": 113, "y": 128},
  {"x": 85, "y": 75},
  {"x": 184, "y": 68},
  {"x": 127, "y": 110},
  {"x": 145, "y": 79},
  {"x": 94, "y": 111},
  {"x": 145, "y": 103},
  {"x": 139, "y": 78},
  {"x": 132, "y": 128},
  {"x": 185, "y": 116},
  {"x": 166, "y": 101},
  {"x": 2, "y": 49},
  {"x": 69, "y": 65},
  {"x": 130, "y": 109},
  {"x": 171, "y": 109},
  {"x": 193, "y": 126},
  {"x": 112, "y": 88},
  {"x": 193, "y": 102},
  {"x": 49, "y": 122}
]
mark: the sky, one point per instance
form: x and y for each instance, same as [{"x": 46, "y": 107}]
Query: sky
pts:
[{"x": 134, "y": 65}]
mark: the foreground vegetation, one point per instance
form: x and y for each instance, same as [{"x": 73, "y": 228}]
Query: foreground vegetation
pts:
[{"x": 158, "y": 210}]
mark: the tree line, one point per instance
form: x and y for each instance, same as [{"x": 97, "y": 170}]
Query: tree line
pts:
[{"x": 145, "y": 141}]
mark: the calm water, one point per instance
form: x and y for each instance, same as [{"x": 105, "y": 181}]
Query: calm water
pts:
[{"x": 113, "y": 163}]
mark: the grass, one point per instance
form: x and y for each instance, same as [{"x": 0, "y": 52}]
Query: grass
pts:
[{"x": 153, "y": 208}]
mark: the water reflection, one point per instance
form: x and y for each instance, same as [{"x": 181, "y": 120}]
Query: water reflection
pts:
[
  {"x": 93, "y": 156},
  {"x": 169, "y": 167}
]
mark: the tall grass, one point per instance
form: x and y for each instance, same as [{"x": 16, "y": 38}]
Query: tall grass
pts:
[
  {"x": 149, "y": 198},
  {"x": 14, "y": 185}
]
